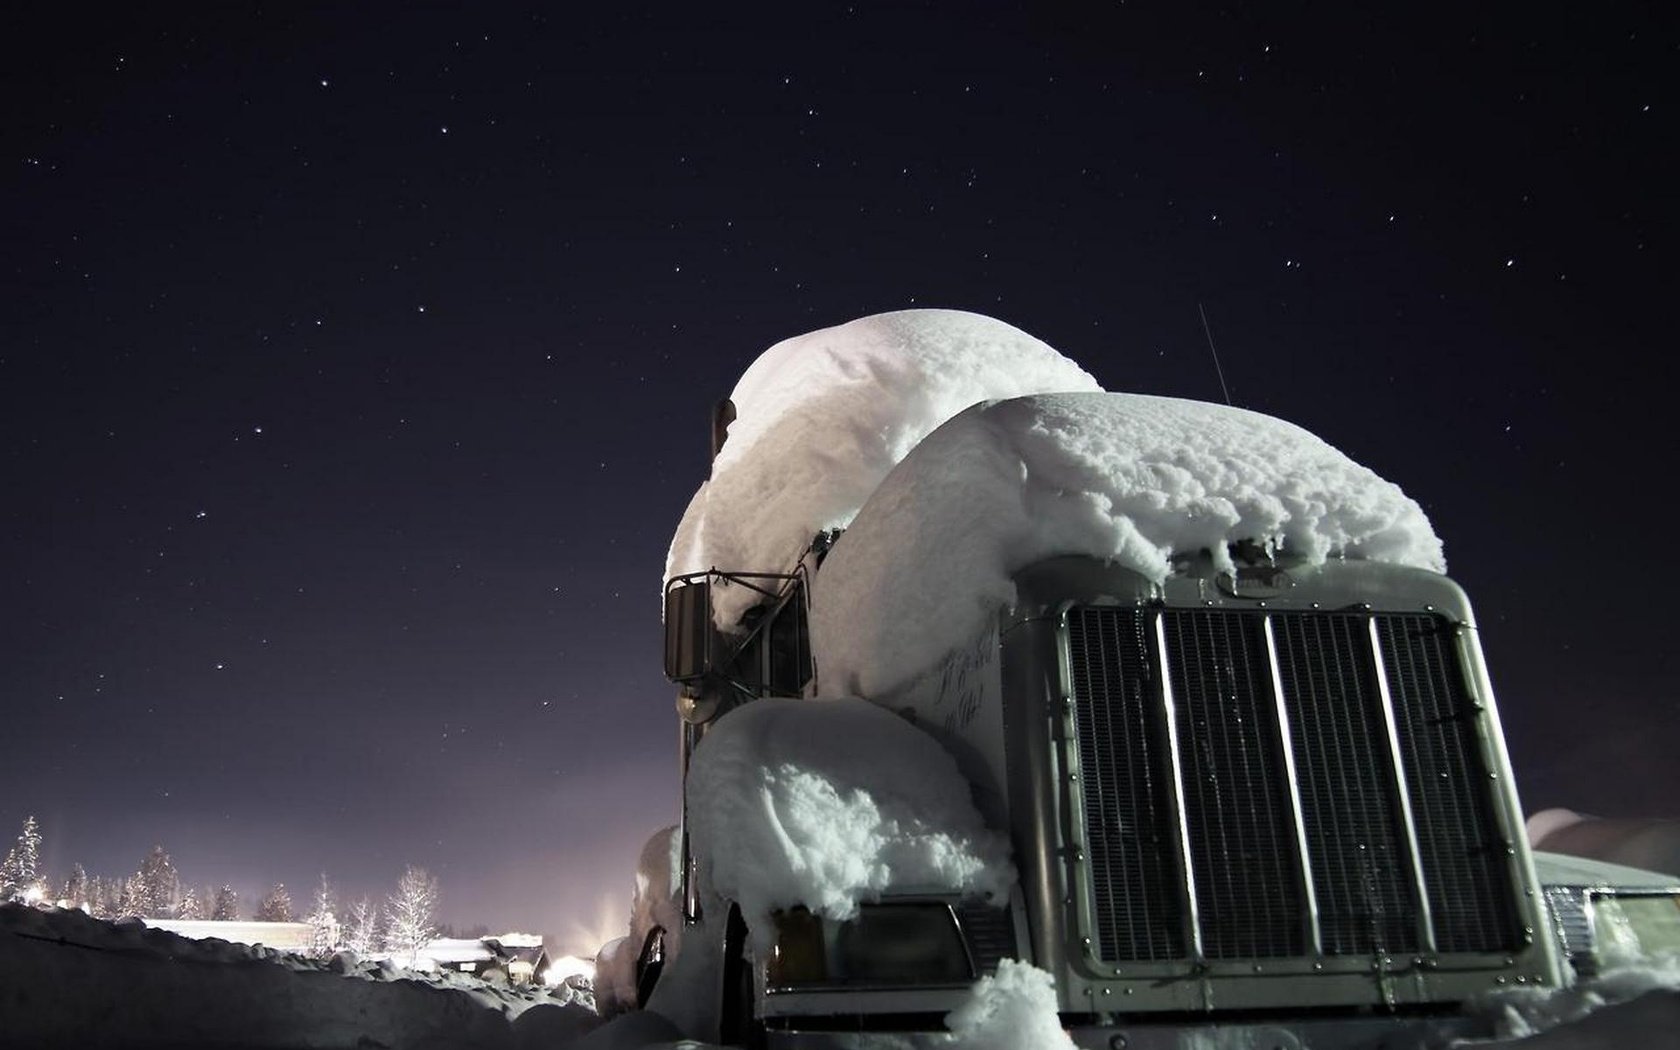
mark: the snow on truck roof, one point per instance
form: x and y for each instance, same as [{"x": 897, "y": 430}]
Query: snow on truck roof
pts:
[
  {"x": 1128, "y": 478},
  {"x": 823, "y": 418}
]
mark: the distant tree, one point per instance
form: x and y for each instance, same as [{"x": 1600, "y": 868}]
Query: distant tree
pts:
[
  {"x": 132, "y": 898},
  {"x": 276, "y": 905},
  {"x": 20, "y": 872},
  {"x": 323, "y": 925},
  {"x": 361, "y": 933},
  {"x": 99, "y": 902},
  {"x": 226, "y": 908},
  {"x": 161, "y": 885},
  {"x": 75, "y": 892},
  {"x": 411, "y": 914},
  {"x": 190, "y": 907}
]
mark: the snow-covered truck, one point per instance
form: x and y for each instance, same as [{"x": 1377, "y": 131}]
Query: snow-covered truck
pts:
[{"x": 1217, "y": 747}]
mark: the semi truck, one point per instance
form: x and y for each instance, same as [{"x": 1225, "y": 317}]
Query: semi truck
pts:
[{"x": 1264, "y": 801}]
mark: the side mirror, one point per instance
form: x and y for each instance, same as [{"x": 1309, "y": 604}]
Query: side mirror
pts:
[{"x": 688, "y": 629}]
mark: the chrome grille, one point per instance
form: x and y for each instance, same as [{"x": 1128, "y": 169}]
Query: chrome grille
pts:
[{"x": 1267, "y": 867}]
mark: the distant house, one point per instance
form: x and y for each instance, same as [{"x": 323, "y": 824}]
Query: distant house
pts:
[{"x": 517, "y": 958}]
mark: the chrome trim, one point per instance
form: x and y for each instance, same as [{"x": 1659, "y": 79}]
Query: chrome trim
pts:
[
  {"x": 1315, "y": 935},
  {"x": 1192, "y": 911},
  {"x": 1426, "y": 919}
]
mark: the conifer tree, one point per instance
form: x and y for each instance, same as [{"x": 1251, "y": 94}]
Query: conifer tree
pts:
[
  {"x": 323, "y": 925},
  {"x": 161, "y": 885},
  {"x": 276, "y": 906},
  {"x": 190, "y": 906},
  {"x": 75, "y": 893},
  {"x": 131, "y": 898},
  {"x": 20, "y": 872},
  {"x": 226, "y": 908}
]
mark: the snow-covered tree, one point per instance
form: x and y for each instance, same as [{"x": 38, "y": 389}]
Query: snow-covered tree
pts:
[
  {"x": 276, "y": 905},
  {"x": 226, "y": 908},
  {"x": 190, "y": 907},
  {"x": 361, "y": 928},
  {"x": 20, "y": 872},
  {"x": 161, "y": 885},
  {"x": 411, "y": 913},
  {"x": 323, "y": 925},
  {"x": 101, "y": 897},
  {"x": 75, "y": 892},
  {"x": 132, "y": 898}
]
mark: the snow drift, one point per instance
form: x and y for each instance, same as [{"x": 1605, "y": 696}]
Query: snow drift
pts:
[
  {"x": 827, "y": 803},
  {"x": 1128, "y": 478},
  {"x": 821, "y": 418},
  {"x": 70, "y": 980}
]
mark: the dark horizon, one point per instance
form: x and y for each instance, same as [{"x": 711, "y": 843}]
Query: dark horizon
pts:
[{"x": 356, "y": 367}]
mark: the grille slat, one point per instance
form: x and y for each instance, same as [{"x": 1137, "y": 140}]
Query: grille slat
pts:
[
  {"x": 1247, "y": 894},
  {"x": 1239, "y": 823},
  {"x": 1128, "y": 826},
  {"x": 1354, "y": 836},
  {"x": 1463, "y": 855}
]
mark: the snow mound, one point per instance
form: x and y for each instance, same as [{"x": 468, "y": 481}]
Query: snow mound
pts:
[
  {"x": 827, "y": 803},
  {"x": 73, "y": 980},
  {"x": 1013, "y": 1010},
  {"x": 821, "y": 418},
  {"x": 1625, "y": 1006},
  {"x": 1130, "y": 478},
  {"x": 655, "y": 902}
]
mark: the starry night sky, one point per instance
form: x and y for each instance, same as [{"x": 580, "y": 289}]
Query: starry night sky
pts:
[{"x": 355, "y": 369}]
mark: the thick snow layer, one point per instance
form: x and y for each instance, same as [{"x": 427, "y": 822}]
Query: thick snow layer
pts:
[
  {"x": 1013, "y": 1010},
  {"x": 821, "y": 418},
  {"x": 827, "y": 803},
  {"x": 1124, "y": 477}
]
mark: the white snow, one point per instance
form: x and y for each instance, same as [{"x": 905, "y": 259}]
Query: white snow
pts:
[
  {"x": 1013, "y": 1010},
  {"x": 821, "y": 418},
  {"x": 827, "y": 803},
  {"x": 1128, "y": 478},
  {"x": 72, "y": 980},
  {"x": 655, "y": 902},
  {"x": 1630, "y": 1005}
]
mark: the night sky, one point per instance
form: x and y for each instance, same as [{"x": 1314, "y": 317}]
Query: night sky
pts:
[{"x": 355, "y": 368}]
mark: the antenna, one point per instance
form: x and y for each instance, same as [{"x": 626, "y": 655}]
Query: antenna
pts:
[{"x": 1215, "y": 352}]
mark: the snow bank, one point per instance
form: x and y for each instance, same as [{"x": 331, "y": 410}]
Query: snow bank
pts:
[
  {"x": 1013, "y": 1010},
  {"x": 71, "y": 980},
  {"x": 1636, "y": 1004},
  {"x": 827, "y": 803},
  {"x": 821, "y": 418},
  {"x": 1125, "y": 477}
]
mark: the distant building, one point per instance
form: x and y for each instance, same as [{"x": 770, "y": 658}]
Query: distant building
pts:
[{"x": 517, "y": 958}]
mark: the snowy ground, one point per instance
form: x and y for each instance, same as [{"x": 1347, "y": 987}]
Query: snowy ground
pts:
[{"x": 67, "y": 980}]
